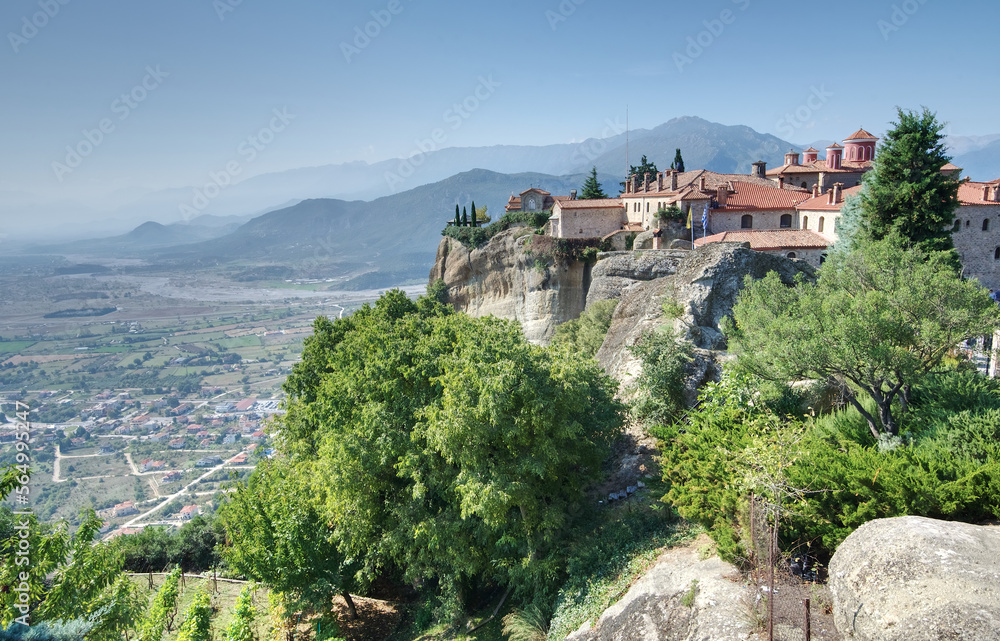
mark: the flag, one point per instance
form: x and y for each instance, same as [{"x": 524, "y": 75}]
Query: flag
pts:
[
  {"x": 690, "y": 214},
  {"x": 704, "y": 218}
]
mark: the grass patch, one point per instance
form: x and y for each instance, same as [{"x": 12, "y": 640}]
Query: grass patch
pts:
[
  {"x": 605, "y": 563},
  {"x": 14, "y": 347}
]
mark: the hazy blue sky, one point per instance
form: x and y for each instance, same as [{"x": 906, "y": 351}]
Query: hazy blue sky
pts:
[{"x": 215, "y": 71}]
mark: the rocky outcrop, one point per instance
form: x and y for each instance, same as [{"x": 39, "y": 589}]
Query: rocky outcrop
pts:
[
  {"x": 700, "y": 286},
  {"x": 917, "y": 579},
  {"x": 508, "y": 278},
  {"x": 682, "y": 598}
]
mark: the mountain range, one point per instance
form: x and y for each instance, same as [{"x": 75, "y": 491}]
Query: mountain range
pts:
[{"x": 371, "y": 230}]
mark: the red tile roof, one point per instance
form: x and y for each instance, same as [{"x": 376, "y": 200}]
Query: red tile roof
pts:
[
  {"x": 846, "y": 167},
  {"x": 815, "y": 151},
  {"x": 971, "y": 193},
  {"x": 750, "y": 197},
  {"x": 861, "y": 134},
  {"x": 835, "y": 146},
  {"x": 596, "y": 203},
  {"x": 764, "y": 240},
  {"x": 822, "y": 202},
  {"x": 535, "y": 189}
]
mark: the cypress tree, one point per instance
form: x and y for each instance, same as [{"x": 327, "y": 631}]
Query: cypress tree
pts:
[
  {"x": 678, "y": 163},
  {"x": 465, "y": 217},
  {"x": 458, "y": 217},
  {"x": 475, "y": 223}
]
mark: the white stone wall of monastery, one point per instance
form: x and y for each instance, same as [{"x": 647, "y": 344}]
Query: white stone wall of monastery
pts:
[
  {"x": 811, "y": 256},
  {"x": 732, "y": 221},
  {"x": 810, "y": 220}
]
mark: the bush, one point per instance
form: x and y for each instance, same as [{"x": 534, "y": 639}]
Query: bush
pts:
[
  {"x": 586, "y": 334},
  {"x": 946, "y": 465},
  {"x": 473, "y": 237},
  {"x": 661, "y": 383}
]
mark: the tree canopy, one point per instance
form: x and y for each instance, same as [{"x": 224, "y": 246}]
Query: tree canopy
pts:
[
  {"x": 446, "y": 446},
  {"x": 678, "y": 163},
  {"x": 906, "y": 193},
  {"x": 644, "y": 167},
  {"x": 591, "y": 188},
  {"x": 880, "y": 318}
]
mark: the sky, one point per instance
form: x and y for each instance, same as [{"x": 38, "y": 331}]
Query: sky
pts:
[{"x": 105, "y": 100}]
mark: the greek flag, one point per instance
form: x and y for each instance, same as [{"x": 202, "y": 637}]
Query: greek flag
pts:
[{"x": 704, "y": 219}]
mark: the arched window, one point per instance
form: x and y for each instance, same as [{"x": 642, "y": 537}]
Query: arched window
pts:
[
  {"x": 996, "y": 254},
  {"x": 746, "y": 222},
  {"x": 805, "y": 222},
  {"x": 968, "y": 222},
  {"x": 957, "y": 225},
  {"x": 822, "y": 258},
  {"x": 790, "y": 255},
  {"x": 986, "y": 224},
  {"x": 803, "y": 184},
  {"x": 820, "y": 227},
  {"x": 647, "y": 208},
  {"x": 786, "y": 221}
]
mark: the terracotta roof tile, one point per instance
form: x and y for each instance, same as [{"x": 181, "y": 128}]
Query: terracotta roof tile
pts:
[
  {"x": 822, "y": 202},
  {"x": 846, "y": 167},
  {"x": 751, "y": 197},
  {"x": 861, "y": 134},
  {"x": 764, "y": 240},
  {"x": 971, "y": 193},
  {"x": 815, "y": 151},
  {"x": 835, "y": 146},
  {"x": 597, "y": 203}
]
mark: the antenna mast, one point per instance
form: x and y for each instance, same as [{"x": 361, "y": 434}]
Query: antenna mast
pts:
[{"x": 626, "y": 144}]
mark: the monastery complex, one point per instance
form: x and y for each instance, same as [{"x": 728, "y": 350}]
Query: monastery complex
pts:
[{"x": 791, "y": 210}]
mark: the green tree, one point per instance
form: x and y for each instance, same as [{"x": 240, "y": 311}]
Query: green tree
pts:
[
  {"x": 906, "y": 193},
  {"x": 197, "y": 624},
  {"x": 678, "y": 163},
  {"x": 591, "y": 188},
  {"x": 465, "y": 217},
  {"x": 444, "y": 445},
  {"x": 850, "y": 225},
  {"x": 458, "y": 217},
  {"x": 278, "y": 537},
  {"x": 472, "y": 220},
  {"x": 645, "y": 167},
  {"x": 879, "y": 318}
]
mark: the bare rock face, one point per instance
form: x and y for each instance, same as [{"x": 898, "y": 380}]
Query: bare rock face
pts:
[
  {"x": 505, "y": 278},
  {"x": 682, "y": 598},
  {"x": 702, "y": 285},
  {"x": 917, "y": 579}
]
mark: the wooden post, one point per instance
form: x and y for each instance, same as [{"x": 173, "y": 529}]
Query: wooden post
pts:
[
  {"x": 150, "y": 579},
  {"x": 808, "y": 622},
  {"x": 770, "y": 580}
]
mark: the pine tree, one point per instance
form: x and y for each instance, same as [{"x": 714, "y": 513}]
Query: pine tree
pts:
[
  {"x": 465, "y": 217},
  {"x": 473, "y": 218},
  {"x": 645, "y": 167},
  {"x": 678, "y": 162},
  {"x": 906, "y": 194},
  {"x": 591, "y": 188},
  {"x": 458, "y": 217}
]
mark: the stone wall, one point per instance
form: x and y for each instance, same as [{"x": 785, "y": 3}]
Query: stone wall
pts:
[
  {"x": 720, "y": 221},
  {"x": 977, "y": 248},
  {"x": 586, "y": 223}
]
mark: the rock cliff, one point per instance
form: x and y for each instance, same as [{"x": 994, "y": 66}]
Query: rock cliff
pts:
[{"x": 511, "y": 277}]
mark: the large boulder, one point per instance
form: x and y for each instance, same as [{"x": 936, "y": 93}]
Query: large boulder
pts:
[
  {"x": 682, "y": 598},
  {"x": 917, "y": 579}
]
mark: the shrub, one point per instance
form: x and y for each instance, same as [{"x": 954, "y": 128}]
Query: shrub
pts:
[
  {"x": 586, "y": 334},
  {"x": 473, "y": 237}
]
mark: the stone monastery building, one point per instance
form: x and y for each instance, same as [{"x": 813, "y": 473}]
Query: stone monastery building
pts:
[{"x": 791, "y": 210}]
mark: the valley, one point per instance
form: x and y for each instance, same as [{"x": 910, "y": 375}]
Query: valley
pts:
[{"x": 149, "y": 391}]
